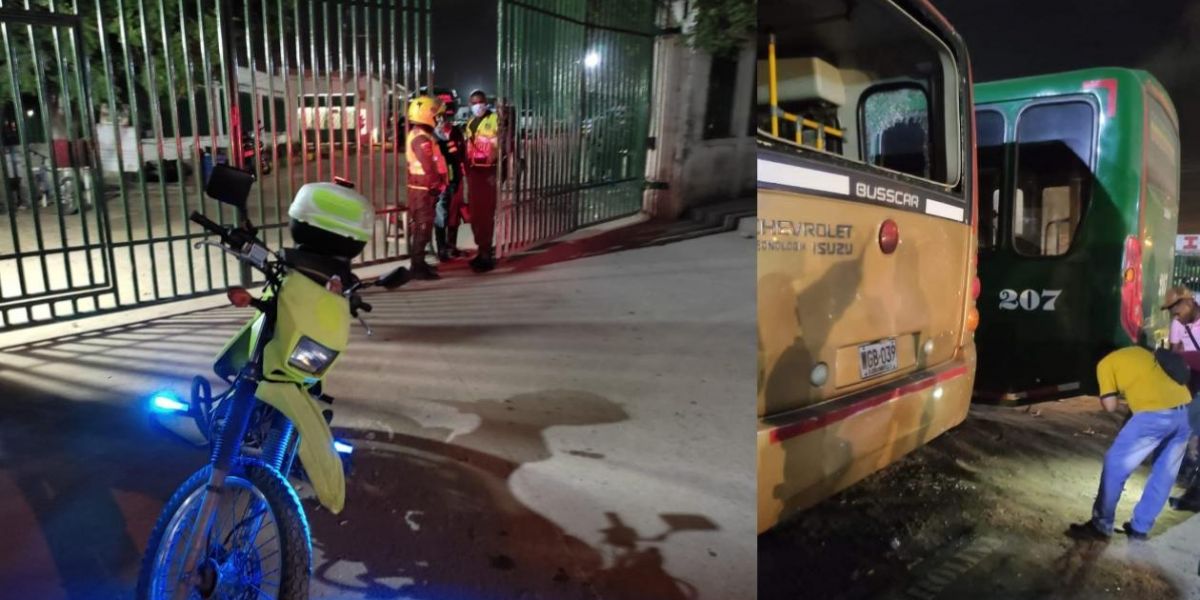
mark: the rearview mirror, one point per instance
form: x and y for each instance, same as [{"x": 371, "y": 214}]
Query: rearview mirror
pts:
[
  {"x": 229, "y": 185},
  {"x": 394, "y": 279}
]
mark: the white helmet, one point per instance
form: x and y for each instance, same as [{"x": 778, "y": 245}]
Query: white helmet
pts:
[{"x": 331, "y": 218}]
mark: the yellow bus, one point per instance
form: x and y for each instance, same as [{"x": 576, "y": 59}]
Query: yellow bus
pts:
[{"x": 866, "y": 241}]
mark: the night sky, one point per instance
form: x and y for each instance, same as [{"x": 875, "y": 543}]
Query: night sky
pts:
[
  {"x": 1013, "y": 38},
  {"x": 464, "y": 45}
]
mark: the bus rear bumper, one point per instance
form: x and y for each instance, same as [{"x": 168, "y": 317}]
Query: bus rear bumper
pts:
[{"x": 807, "y": 455}]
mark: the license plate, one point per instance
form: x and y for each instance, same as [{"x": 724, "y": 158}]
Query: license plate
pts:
[{"x": 877, "y": 358}]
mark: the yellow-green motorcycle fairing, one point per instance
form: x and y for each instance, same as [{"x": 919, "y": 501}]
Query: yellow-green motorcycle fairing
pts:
[
  {"x": 304, "y": 308},
  {"x": 316, "y": 451}
]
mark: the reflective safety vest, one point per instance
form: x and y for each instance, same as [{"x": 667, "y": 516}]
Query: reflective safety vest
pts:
[
  {"x": 483, "y": 148},
  {"x": 417, "y": 177}
]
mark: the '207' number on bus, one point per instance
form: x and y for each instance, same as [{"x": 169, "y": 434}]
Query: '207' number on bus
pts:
[{"x": 1028, "y": 299}]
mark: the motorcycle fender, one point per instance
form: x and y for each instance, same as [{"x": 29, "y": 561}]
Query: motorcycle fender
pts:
[{"x": 317, "y": 454}]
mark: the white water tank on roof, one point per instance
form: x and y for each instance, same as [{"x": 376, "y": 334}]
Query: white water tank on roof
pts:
[{"x": 804, "y": 78}]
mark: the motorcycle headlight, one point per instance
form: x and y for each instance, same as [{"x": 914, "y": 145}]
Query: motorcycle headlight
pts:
[{"x": 311, "y": 357}]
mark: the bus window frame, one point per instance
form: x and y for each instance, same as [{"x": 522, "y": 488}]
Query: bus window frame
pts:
[
  {"x": 1015, "y": 157},
  {"x": 1007, "y": 149},
  {"x": 884, "y": 87},
  {"x": 960, "y": 113}
]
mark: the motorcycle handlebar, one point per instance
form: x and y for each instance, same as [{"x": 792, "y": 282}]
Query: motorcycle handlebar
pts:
[{"x": 207, "y": 224}]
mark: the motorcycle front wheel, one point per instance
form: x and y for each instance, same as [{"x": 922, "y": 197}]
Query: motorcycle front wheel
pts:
[{"x": 258, "y": 546}]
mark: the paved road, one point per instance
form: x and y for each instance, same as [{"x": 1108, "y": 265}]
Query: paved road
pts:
[{"x": 565, "y": 430}]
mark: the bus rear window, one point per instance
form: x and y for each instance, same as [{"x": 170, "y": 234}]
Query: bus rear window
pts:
[
  {"x": 1054, "y": 176},
  {"x": 989, "y": 126},
  {"x": 861, "y": 80},
  {"x": 896, "y": 130}
]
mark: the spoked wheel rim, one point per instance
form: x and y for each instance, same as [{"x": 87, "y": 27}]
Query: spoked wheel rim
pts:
[{"x": 243, "y": 558}]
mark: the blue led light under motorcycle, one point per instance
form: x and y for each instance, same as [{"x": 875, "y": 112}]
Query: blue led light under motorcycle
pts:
[
  {"x": 167, "y": 402},
  {"x": 342, "y": 447}
]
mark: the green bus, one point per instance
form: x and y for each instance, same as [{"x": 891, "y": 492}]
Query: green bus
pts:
[{"x": 1078, "y": 211}]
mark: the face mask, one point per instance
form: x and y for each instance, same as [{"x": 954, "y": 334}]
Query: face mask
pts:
[{"x": 478, "y": 109}]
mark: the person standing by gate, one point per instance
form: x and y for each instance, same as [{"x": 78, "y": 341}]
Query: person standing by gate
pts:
[
  {"x": 483, "y": 154},
  {"x": 427, "y": 178},
  {"x": 450, "y": 202}
]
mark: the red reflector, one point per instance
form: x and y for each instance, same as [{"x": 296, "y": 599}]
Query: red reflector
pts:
[
  {"x": 343, "y": 182},
  {"x": 239, "y": 297},
  {"x": 334, "y": 284},
  {"x": 975, "y": 287},
  {"x": 889, "y": 236}
]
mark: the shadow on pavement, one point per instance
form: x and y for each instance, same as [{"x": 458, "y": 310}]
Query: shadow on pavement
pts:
[
  {"x": 438, "y": 520},
  {"x": 81, "y": 484}
]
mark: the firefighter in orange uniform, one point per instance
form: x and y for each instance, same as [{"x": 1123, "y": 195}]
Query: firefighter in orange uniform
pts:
[
  {"x": 427, "y": 178},
  {"x": 483, "y": 154}
]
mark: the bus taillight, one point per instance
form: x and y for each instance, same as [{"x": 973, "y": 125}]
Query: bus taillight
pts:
[
  {"x": 976, "y": 286},
  {"x": 889, "y": 236},
  {"x": 1131, "y": 288}
]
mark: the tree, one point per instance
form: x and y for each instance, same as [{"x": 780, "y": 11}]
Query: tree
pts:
[
  {"x": 722, "y": 27},
  {"x": 189, "y": 25}
]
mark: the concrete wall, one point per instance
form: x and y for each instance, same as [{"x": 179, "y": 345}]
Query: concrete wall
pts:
[{"x": 684, "y": 169}]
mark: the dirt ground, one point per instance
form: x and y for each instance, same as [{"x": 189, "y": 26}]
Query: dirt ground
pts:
[{"x": 981, "y": 512}]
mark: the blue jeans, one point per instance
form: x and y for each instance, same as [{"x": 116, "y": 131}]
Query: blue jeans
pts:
[{"x": 1167, "y": 432}]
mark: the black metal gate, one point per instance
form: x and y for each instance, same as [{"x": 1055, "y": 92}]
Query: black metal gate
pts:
[
  {"x": 574, "y": 92},
  {"x": 113, "y": 112}
]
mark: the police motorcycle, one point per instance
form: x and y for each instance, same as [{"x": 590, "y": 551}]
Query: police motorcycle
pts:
[{"x": 236, "y": 528}]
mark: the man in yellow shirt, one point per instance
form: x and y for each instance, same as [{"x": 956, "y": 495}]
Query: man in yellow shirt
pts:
[{"x": 1152, "y": 384}]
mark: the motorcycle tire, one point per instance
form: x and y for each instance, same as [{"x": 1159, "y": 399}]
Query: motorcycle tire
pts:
[
  {"x": 266, "y": 168},
  {"x": 295, "y": 565}
]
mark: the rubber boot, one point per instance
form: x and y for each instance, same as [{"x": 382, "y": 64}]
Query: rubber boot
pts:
[
  {"x": 483, "y": 262},
  {"x": 452, "y": 242},
  {"x": 443, "y": 250},
  {"x": 420, "y": 242}
]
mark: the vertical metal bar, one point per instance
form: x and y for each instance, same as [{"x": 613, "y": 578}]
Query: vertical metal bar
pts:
[
  {"x": 328, "y": 96},
  {"x": 341, "y": 56},
  {"x": 773, "y": 84},
  {"x": 559, "y": 130},
  {"x": 178, "y": 135},
  {"x": 66, "y": 101},
  {"x": 23, "y": 137},
  {"x": 520, "y": 207},
  {"x": 304, "y": 114},
  {"x": 289, "y": 108},
  {"x": 130, "y": 80},
  {"x": 273, "y": 118},
  {"x": 255, "y": 112},
  {"x": 227, "y": 53},
  {"x": 502, "y": 198},
  {"x": 156, "y": 125},
  {"x": 189, "y": 80},
  {"x": 214, "y": 119},
  {"x": 113, "y": 102},
  {"x": 402, "y": 132},
  {"x": 319, "y": 99},
  {"x": 377, "y": 102},
  {"x": 359, "y": 101},
  {"x": 47, "y": 127},
  {"x": 429, "y": 44},
  {"x": 10, "y": 203}
]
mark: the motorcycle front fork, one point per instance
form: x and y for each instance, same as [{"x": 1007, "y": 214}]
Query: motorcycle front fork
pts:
[{"x": 226, "y": 447}]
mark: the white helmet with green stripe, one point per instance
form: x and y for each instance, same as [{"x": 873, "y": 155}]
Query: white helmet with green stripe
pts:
[{"x": 331, "y": 218}]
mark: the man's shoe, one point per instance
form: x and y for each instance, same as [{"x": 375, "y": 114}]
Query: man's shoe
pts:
[
  {"x": 1133, "y": 533},
  {"x": 422, "y": 271},
  {"x": 1086, "y": 532}
]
